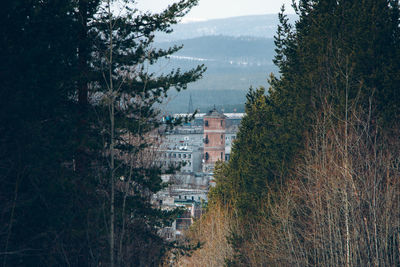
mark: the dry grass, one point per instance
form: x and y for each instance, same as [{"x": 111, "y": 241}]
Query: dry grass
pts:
[{"x": 211, "y": 230}]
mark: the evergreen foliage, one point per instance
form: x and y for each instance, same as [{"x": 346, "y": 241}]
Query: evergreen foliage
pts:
[
  {"x": 333, "y": 47},
  {"x": 341, "y": 53},
  {"x": 55, "y": 132}
]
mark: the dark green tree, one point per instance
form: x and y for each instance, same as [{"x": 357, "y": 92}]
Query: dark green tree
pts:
[
  {"x": 128, "y": 119},
  {"x": 337, "y": 50},
  {"x": 345, "y": 53},
  {"x": 37, "y": 119},
  {"x": 56, "y": 132}
]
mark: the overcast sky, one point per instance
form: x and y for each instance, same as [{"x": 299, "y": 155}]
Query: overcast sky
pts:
[{"x": 214, "y": 9}]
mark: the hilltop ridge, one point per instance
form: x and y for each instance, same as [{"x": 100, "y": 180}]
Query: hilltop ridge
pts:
[
  {"x": 237, "y": 52},
  {"x": 263, "y": 26}
]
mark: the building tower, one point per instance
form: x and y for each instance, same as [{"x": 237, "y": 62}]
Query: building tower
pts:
[
  {"x": 214, "y": 139},
  {"x": 190, "y": 106}
]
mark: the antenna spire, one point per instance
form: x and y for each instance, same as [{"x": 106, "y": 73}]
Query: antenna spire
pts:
[{"x": 190, "y": 107}]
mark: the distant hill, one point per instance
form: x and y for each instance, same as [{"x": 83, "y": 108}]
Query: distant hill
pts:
[
  {"x": 234, "y": 63},
  {"x": 238, "y": 53},
  {"x": 263, "y": 26},
  {"x": 222, "y": 47}
]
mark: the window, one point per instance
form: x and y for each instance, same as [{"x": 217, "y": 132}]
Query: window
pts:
[
  {"x": 190, "y": 156},
  {"x": 206, "y": 156},
  {"x": 206, "y": 123},
  {"x": 179, "y": 155},
  {"x": 222, "y": 155},
  {"x": 222, "y": 136},
  {"x": 222, "y": 123},
  {"x": 184, "y": 155}
]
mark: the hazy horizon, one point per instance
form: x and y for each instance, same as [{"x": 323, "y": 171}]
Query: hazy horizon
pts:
[{"x": 211, "y": 9}]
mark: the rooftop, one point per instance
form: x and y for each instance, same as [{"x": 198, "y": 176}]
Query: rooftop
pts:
[
  {"x": 201, "y": 115},
  {"x": 214, "y": 113}
]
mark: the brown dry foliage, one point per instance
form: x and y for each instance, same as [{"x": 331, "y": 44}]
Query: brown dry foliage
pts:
[
  {"x": 341, "y": 208},
  {"x": 211, "y": 230}
]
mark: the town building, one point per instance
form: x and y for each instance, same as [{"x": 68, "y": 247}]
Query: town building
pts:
[
  {"x": 193, "y": 149},
  {"x": 214, "y": 139}
]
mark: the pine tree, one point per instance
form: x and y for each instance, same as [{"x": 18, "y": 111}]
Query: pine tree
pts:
[
  {"x": 344, "y": 53},
  {"x": 126, "y": 96},
  {"x": 37, "y": 113},
  {"x": 56, "y": 135}
]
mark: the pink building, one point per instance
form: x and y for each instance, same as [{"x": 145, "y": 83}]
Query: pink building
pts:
[{"x": 214, "y": 139}]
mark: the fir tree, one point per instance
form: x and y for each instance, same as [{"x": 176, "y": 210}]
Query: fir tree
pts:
[
  {"x": 344, "y": 53},
  {"x": 56, "y": 135}
]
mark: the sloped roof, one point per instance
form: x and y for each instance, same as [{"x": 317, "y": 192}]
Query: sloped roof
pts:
[{"x": 214, "y": 113}]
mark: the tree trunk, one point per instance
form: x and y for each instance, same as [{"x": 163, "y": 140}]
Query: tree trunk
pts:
[{"x": 81, "y": 161}]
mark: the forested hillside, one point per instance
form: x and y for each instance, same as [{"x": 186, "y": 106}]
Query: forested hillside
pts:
[
  {"x": 313, "y": 175},
  {"x": 237, "y": 51},
  {"x": 259, "y": 26},
  {"x": 233, "y": 64}
]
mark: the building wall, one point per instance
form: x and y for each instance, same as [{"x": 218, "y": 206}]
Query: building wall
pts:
[
  {"x": 197, "y": 159},
  {"x": 214, "y": 139},
  {"x": 189, "y": 186}
]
